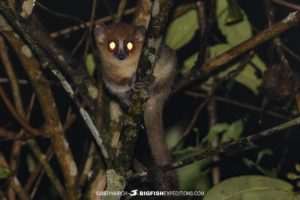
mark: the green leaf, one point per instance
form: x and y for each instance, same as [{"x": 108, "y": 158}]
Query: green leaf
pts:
[
  {"x": 189, "y": 63},
  {"x": 235, "y": 33},
  {"x": 266, "y": 172},
  {"x": 30, "y": 163},
  {"x": 182, "y": 30},
  {"x": 214, "y": 131},
  {"x": 297, "y": 167},
  {"x": 249, "y": 163},
  {"x": 292, "y": 176},
  {"x": 252, "y": 188},
  {"x": 173, "y": 135},
  {"x": 4, "y": 172},
  {"x": 263, "y": 153},
  {"x": 90, "y": 64},
  {"x": 234, "y": 131},
  {"x": 247, "y": 76},
  {"x": 192, "y": 177},
  {"x": 234, "y": 14}
]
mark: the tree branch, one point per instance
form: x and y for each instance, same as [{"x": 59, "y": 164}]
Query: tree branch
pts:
[
  {"x": 217, "y": 62},
  {"x": 234, "y": 145},
  {"x": 149, "y": 53}
]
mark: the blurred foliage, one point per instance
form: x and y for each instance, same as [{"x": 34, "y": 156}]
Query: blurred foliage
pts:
[{"x": 252, "y": 188}]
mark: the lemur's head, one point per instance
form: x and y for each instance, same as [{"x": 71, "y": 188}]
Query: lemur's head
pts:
[{"x": 119, "y": 41}]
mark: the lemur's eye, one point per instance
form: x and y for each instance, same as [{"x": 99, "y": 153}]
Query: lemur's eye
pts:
[
  {"x": 112, "y": 45},
  {"x": 129, "y": 46}
]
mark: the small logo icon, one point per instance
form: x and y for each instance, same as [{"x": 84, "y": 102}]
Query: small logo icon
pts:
[{"x": 133, "y": 192}]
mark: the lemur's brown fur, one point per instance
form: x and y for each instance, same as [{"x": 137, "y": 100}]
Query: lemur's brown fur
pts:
[{"x": 119, "y": 66}]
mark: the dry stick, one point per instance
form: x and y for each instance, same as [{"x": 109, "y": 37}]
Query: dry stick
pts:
[
  {"x": 58, "y": 14},
  {"x": 237, "y": 103},
  {"x": 8, "y": 134},
  {"x": 205, "y": 26},
  {"x": 121, "y": 9},
  {"x": 17, "y": 144},
  {"x": 21, "y": 112},
  {"x": 47, "y": 63},
  {"x": 193, "y": 121},
  {"x": 49, "y": 171},
  {"x": 291, "y": 52},
  {"x": 287, "y": 4},
  {"x": 90, "y": 29},
  {"x": 18, "y": 117},
  {"x": 22, "y": 194},
  {"x": 20, "y": 81},
  {"x": 234, "y": 145},
  {"x": 177, "y": 13},
  {"x": 213, "y": 64},
  {"x": 84, "y": 25},
  {"x": 44, "y": 162},
  {"x": 43, "y": 166},
  {"x": 11, "y": 76},
  {"x": 212, "y": 120},
  {"x": 286, "y": 48},
  {"x": 48, "y": 107}
]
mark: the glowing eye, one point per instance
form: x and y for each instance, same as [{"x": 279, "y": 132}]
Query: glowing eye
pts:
[
  {"x": 129, "y": 46},
  {"x": 112, "y": 45}
]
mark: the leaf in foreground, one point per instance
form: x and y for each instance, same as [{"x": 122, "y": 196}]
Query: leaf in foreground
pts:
[{"x": 252, "y": 188}]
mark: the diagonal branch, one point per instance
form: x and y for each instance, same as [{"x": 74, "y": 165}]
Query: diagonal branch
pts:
[
  {"x": 235, "y": 145},
  {"x": 217, "y": 62},
  {"x": 149, "y": 53}
]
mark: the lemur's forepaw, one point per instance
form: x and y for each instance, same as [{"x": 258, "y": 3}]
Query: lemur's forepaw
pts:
[
  {"x": 147, "y": 84},
  {"x": 144, "y": 87},
  {"x": 134, "y": 84}
]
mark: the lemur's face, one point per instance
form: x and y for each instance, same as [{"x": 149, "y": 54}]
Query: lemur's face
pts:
[{"x": 120, "y": 41}]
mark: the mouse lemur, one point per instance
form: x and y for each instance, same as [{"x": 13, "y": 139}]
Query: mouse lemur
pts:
[{"x": 120, "y": 48}]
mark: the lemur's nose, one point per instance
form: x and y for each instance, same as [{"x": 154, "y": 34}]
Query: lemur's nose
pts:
[{"x": 121, "y": 56}]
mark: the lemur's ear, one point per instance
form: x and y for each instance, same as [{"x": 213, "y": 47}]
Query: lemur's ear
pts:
[
  {"x": 140, "y": 33},
  {"x": 99, "y": 32}
]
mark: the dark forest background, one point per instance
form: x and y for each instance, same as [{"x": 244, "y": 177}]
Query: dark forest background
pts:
[{"x": 235, "y": 101}]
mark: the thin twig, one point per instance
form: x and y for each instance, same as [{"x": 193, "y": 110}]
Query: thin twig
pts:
[
  {"x": 18, "y": 101},
  {"x": 206, "y": 25},
  {"x": 58, "y": 14},
  {"x": 15, "y": 114},
  {"x": 121, "y": 9},
  {"x": 287, "y": 4},
  {"x": 90, "y": 28},
  {"x": 7, "y": 134},
  {"x": 237, "y": 103},
  {"x": 20, "y": 81},
  {"x": 192, "y": 122},
  {"x": 44, "y": 163},
  {"x": 291, "y": 52},
  {"x": 22, "y": 194},
  {"x": 83, "y": 25},
  {"x": 235, "y": 145}
]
